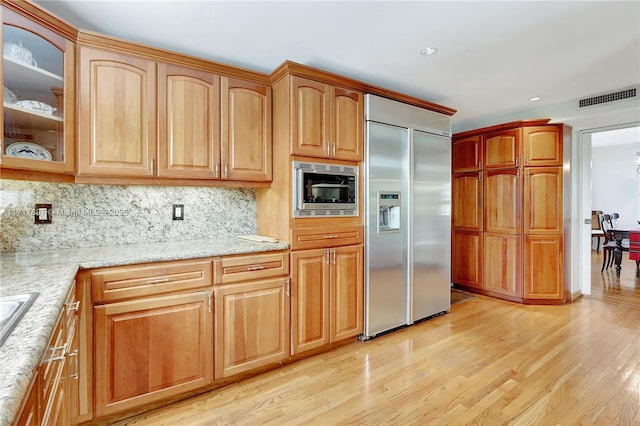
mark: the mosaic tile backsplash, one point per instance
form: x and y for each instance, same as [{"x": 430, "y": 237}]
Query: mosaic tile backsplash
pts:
[{"x": 102, "y": 215}]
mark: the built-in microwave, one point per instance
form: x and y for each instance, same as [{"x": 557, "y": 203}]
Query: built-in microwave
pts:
[{"x": 324, "y": 190}]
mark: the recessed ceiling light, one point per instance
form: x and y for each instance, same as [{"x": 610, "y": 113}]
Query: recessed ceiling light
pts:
[
  {"x": 535, "y": 99},
  {"x": 428, "y": 51}
]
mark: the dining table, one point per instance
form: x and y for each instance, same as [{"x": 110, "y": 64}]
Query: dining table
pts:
[{"x": 619, "y": 235}]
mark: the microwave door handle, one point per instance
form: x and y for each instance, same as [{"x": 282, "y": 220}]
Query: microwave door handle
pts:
[{"x": 299, "y": 195}]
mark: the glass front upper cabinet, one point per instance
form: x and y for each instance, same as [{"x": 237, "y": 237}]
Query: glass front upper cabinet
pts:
[{"x": 38, "y": 77}]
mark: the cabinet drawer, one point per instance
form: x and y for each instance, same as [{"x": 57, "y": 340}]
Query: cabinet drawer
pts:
[
  {"x": 127, "y": 282},
  {"x": 250, "y": 267},
  {"x": 325, "y": 237},
  {"x": 71, "y": 307},
  {"x": 51, "y": 369}
]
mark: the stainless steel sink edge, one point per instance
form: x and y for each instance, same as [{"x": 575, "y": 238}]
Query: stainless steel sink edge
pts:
[{"x": 25, "y": 300}]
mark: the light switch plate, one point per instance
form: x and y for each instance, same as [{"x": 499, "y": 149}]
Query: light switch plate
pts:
[
  {"x": 178, "y": 212},
  {"x": 42, "y": 214}
]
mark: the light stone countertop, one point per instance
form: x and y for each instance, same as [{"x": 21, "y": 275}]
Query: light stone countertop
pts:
[{"x": 51, "y": 273}]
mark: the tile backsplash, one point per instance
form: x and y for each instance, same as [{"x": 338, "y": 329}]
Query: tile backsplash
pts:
[{"x": 99, "y": 215}]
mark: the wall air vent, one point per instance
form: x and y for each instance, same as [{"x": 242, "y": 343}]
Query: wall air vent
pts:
[{"x": 605, "y": 98}]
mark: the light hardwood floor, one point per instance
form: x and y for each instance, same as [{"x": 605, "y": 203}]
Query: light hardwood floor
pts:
[
  {"x": 605, "y": 286},
  {"x": 486, "y": 362}
]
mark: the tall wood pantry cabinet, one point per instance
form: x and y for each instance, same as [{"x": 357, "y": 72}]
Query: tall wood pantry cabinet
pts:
[
  {"x": 318, "y": 117},
  {"x": 507, "y": 220}
]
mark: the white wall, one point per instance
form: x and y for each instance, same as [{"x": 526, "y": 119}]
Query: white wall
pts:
[{"x": 615, "y": 182}]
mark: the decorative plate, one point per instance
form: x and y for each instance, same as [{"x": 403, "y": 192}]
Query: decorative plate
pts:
[{"x": 28, "y": 150}]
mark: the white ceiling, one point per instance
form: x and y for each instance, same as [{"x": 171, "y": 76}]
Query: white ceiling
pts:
[{"x": 493, "y": 56}]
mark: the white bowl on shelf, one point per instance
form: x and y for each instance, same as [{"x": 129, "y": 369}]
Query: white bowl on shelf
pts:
[
  {"x": 28, "y": 150},
  {"x": 36, "y": 106}
]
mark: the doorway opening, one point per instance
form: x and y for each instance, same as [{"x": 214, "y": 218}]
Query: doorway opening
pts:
[{"x": 613, "y": 177}]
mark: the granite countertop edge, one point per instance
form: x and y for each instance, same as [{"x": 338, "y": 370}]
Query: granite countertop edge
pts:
[{"x": 51, "y": 273}]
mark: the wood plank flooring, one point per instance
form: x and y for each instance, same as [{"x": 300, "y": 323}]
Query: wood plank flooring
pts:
[
  {"x": 487, "y": 362},
  {"x": 605, "y": 286}
]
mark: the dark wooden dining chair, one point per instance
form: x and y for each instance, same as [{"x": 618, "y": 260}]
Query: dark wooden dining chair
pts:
[
  {"x": 596, "y": 229},
  {"x": 609, "y": 243},
  {"x": 608, "y": 224}
]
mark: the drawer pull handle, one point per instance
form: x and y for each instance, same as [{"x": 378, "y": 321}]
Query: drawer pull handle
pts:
[
  {"x": 72, "y": 307},
  {"x": 74, "y": 354},
  {"x": 330, "y": 236},
  {"x": 158, "y": 280},
  {"x": 255, "y": 268},
  {"x": 61, "y": 357}
]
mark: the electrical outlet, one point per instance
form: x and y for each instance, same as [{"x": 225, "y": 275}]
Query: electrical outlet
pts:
[
  {"x": 178, "y": 212},
  {"x": 42, "y": 214}
]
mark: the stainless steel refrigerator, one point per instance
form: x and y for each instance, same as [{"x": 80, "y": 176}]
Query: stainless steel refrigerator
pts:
[{"x": 408, "y": 214}]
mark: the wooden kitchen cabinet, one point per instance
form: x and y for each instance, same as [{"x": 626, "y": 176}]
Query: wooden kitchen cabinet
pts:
[
  {"x": 502, "y": 149},
  {"x": 58, "y": 371},
  {"x": 502, "y": 264},
  {"x": 235, "y": 269},
  {"x": 326, "y": 296},
  {"x": 543, "y": 268},
  {"x": 503, "y": 201},
  {"x": 466, "y": 258},
  {"x": 543, "y": 200},
  {"x": 38, "y": 138},
  {"x": 327, "y": 120},
  {"x": 517, "y": 253},
  {"x": 188, "y": 122},
  {"x": 346, "y": 292},
  {"x": 466, "y": 154},
  {"x": 542, "y": 145},
  {"x": 466, "y": 202},
  {"x": 325, "y": 236},
  {"x": 152, "y": 348},
  {"x": 30, "y": 411},
  {"x": 252, "y": 325},
  {"x": 127, "y": 282},
  {"x": 246, "y": 130},
  {"x": 117, "y": 114},
  {"x": 309, "y": 299},
  {"x": 209, "y": 127}
]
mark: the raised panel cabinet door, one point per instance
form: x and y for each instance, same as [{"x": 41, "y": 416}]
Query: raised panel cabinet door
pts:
[
  {"x": 252, "y": 325},
  {"x": 347, "y": 118},
  {"x": 503, "y": 201},
  {"x": 543, "y": 200},
  {"x": 150, "y": 349},
  {"x": 503, "y": 264},
  {"x": 467, "y": 201},
  {"x": 188, "y": 123},
  {"x": 542, "y": 145},
  {"x": 117, "y": 114},
  {"x": 543, "y": 267},
  {"x": 311, "y": 118},
  {"x": 466, "y": 154},
  {"x": 347, "y": 292},
  {"x": 246, "y": 130},
  {"x": 466, "y": 258},
  {"x": 309, "y": 299},
  {"x": 502, "y": 149}
]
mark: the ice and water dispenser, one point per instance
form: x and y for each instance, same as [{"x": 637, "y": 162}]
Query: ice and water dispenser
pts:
[{"x": 388, "y": 212}]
